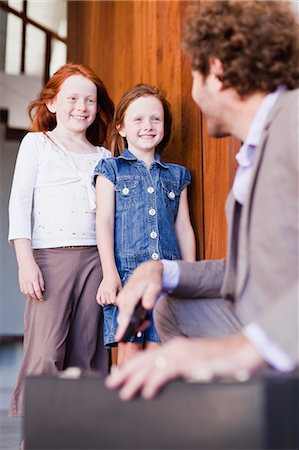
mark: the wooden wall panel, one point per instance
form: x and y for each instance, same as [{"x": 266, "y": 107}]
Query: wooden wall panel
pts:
[
  {"x": 129, "y": 42},
  {"x": 219, "y": 167}
]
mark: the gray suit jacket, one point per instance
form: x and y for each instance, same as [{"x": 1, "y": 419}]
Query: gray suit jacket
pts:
[{"x": 260, "y": 273}]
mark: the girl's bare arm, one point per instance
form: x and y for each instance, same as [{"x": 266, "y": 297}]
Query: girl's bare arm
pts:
[
  {"x": 105, "y": 213},
  {"x": 184, "y": 231}
]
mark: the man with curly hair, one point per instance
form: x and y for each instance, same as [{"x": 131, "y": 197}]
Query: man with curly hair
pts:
[{"x": 233, "y": 317}]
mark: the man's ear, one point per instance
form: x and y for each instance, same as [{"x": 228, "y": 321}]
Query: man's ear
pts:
[
  {"x": 215, "y": 71},
  {"x": 51, "y": 105},
  {"x": 215, "y": 66}
]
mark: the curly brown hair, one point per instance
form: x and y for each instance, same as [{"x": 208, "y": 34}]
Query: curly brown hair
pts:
[
  {"x": 43, "y": 120},
  {"x": 257, "y": 43},
  {"x": 118, "y": 143}
]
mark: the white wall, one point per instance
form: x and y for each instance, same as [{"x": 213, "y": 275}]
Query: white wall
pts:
[
  {"x": 11, "y": 300},
  {"x": 16, "y": 92}
]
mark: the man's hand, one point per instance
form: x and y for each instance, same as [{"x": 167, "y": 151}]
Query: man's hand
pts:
[
  {"x": 145, "y": 284},
  {"x": 196, "y": 359}
]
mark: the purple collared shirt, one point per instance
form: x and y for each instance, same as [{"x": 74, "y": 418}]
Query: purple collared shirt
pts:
[{"x": 246, "y": 154}]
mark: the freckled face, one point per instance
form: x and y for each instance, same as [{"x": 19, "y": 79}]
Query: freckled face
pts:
[
  {"x": 75, "y": 104},
  {"x": 143, "y": 124}
]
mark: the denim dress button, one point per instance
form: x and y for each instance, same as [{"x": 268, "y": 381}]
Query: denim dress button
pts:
[
  {"x": 150, "y": 190},
  {"x": 153, "y": 235},
  {"x": 155, "y": 256},
  {"x": 125, "y": 191},
  {"x": 152, "y": 212},
  {"x": 171, "y": 195}
]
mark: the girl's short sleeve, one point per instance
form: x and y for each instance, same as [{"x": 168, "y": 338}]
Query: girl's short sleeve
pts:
[
  {"x": 185, "y": 178},
  {"x": 105, "y": 167}
]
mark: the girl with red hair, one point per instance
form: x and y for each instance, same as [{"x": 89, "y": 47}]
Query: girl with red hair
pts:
[{"x": 52, "y": 226}]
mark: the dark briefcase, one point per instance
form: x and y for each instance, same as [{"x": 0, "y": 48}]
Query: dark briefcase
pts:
[{"x": 83, "y": 414}]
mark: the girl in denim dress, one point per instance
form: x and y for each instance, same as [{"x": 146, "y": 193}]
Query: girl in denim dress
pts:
[{"x": 143, "y": 209}]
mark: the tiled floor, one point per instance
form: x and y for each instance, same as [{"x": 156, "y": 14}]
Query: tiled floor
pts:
[{"x": 10, "y": 432}]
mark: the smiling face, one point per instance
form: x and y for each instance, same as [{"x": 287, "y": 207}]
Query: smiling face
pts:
[
  {"x": 143, "y": 125},
  {"x": 75, "y": 105}
]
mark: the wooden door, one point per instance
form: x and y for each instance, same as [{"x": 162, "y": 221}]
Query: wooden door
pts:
[{"x": 130, "y": 42}]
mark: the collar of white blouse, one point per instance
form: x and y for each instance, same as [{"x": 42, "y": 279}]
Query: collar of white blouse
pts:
[{"x": 84, "y": 178}]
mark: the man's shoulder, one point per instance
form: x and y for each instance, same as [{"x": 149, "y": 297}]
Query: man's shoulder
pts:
[
  {"x": 282, "y": 129},
  {"x": 292, "y": 93},
  {"x": 289, "y": 98},
  {"x": 289, "y": 104},
  {"x": 285, "y": 110}
]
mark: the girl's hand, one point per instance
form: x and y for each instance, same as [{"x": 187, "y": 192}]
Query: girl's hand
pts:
[
  {"x": 31, "y": 280},
  {"x": 108, "y": 290},
  {"x": 145, "y": 285}
]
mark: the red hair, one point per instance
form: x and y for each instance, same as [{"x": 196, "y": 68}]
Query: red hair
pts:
[{"x": 43, "y": 120}]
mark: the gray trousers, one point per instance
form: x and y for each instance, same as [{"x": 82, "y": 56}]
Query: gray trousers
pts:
[
  {"x": 66, "y": 329},
  {"x": 200, "y": 317}
]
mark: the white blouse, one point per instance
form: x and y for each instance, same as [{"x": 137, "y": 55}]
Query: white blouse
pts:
[{"x": 52, "y": 199}]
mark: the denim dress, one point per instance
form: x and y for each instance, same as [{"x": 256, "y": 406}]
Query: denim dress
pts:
[{"x": 146, "y": 207}]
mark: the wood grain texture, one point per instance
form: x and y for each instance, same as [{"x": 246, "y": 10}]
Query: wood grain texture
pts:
[
  {"x": 218, "y": 172},
  {"x": 130, "y": 42}
]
